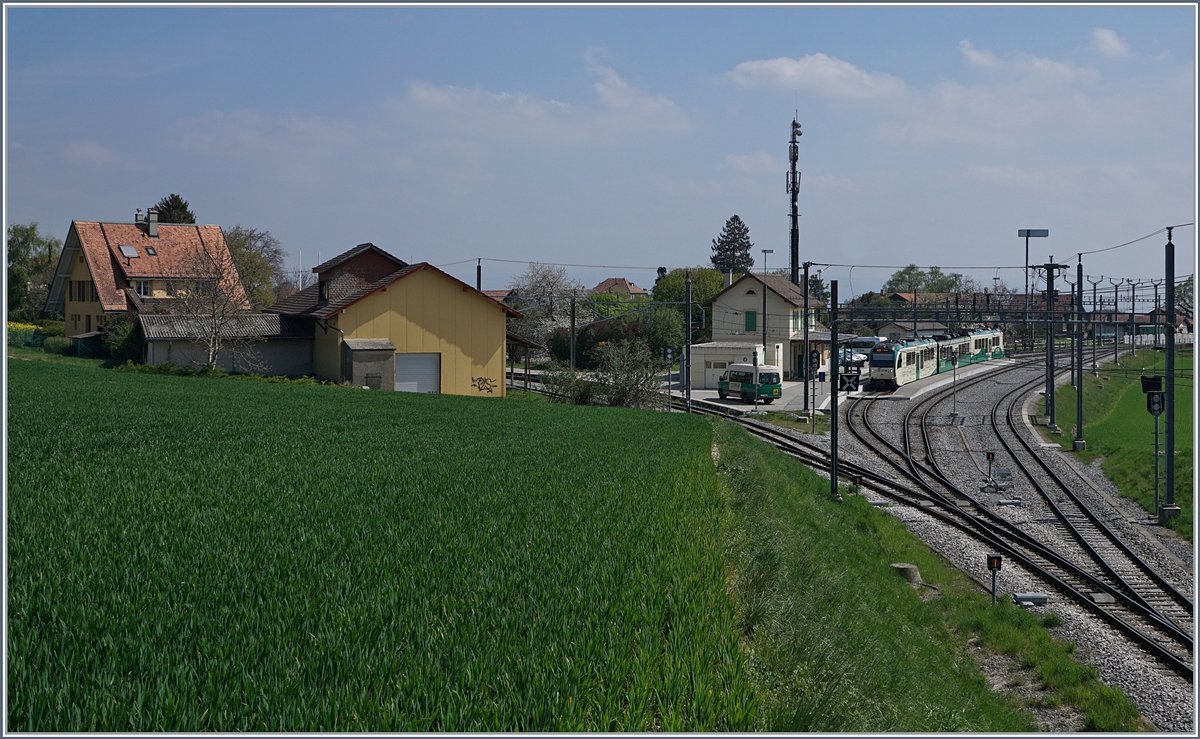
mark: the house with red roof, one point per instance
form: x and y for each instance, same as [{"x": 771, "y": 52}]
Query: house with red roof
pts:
[
  {"x": 112, "y": 269},
  {"x": 620, "y": 287}
]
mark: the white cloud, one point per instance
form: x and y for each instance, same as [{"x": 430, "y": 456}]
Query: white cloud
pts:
[
  {"x": 1108, "y": 43},
  {"x": 978, "y": 58},
  {"x": 520, "y": 116},
  {"x": 819, "y": 73},
  {"x": 88, "y": 152},
  {"x": 757, "y": 163}
]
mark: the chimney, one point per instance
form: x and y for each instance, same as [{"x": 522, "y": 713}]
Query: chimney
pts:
[
  {"x": 137, "y": 218},
  {"x": 728, "y": 277},
  {"x": 152, "y": 223}
]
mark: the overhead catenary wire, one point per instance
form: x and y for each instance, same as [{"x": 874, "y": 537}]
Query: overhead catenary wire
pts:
[{"x": 816, "y": 264}]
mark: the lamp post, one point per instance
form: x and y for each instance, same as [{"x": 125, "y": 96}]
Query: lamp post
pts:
[{"x": 1029, "y": 233}]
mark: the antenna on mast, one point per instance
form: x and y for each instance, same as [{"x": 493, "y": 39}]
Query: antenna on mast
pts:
[{"x": 793, "y": 188}]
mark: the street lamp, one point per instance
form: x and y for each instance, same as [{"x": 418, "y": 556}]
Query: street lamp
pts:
[{"x": 1028, "y": 233}]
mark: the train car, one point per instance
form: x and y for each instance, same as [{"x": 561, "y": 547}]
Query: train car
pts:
[
  {"x": 893, "y": 364},
  {"x": 898, "y": 363}
]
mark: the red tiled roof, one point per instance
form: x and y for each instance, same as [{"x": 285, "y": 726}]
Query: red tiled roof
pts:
[
  {"x": 181, "y": 252},
  {"x": 306, "y": 302}
]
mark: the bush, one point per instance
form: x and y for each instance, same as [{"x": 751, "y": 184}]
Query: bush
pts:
[
  {"x": 51, "y": 327},
  {"x": 121, "y": 341},
  {"x": 59, "y": 345}
]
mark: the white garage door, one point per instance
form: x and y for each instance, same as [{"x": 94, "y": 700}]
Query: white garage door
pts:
[{"x": 419, "y": 373}]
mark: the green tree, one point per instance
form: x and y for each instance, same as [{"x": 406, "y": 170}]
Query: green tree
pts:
[
  {"x": 731, "y": 250},
  {"x": 31, "y": 259},
  {"x": 706, "y": 284},
  {"x": 817, "y": 290},
  {"x": 913, "y": 278},
  {"x": 174, "y": 209},
  {"x": 1183, "y": 298},
  {"x": 258, "y": 257}
]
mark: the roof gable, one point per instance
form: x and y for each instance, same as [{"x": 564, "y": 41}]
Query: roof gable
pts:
[
  {"x": 781, "y": 286},
  {"x": 358, "y": 251}
]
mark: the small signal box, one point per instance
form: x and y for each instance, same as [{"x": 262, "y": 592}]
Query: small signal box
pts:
[
  {"x": 991, "y": 456},
  {"x": 994, "y": 561}
]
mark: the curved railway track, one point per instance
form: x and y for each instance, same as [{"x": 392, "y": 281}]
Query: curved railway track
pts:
[{"x": 1157, "y": 618}]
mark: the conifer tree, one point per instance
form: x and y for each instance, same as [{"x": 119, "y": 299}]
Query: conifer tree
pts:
[
  {"x": 731, "y": 250},
  {"x": 174, "y": 209}
]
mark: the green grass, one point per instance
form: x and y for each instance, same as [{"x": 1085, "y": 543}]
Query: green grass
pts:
[
  {"x": 780, "y": 418},
  {"x": 1120, "y": 431},
  {"x": 840, "y": 642},
  {"x": 195, "y": 555}
]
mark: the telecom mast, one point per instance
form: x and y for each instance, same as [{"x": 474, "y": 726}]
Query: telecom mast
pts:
[{"x": 793, "y": 188}]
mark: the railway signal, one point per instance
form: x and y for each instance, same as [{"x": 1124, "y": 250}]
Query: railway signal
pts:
[
  {"x": 991, "y": 458},
  {"x": 848, "y": 383},
  {"x": 1156, "y": 402},
  {"x": 993, "y": 563}
]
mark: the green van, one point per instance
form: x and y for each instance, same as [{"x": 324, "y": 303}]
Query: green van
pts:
[{"x": 745, "y": 381}]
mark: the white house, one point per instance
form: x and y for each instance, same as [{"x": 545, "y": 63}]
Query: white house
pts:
[{"x": 737, "y": 318}]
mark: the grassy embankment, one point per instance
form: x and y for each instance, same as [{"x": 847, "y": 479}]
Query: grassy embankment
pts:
[
  {"x": 229, "y": 555},
  {"x": 1120, "y": 432},
  {"x": 840, "y": 642}
]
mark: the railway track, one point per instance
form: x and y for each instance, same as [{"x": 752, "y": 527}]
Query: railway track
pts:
[{"x": 1113, "y": 582}]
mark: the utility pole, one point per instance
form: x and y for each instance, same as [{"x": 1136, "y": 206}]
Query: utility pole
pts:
[
  {"x": 1095, "y": 329},
  {"x": 1050, "y": 304},
  {"x": 793, "y": 188},
  {"x": 479, "y": 275},
  {"x": 1116, "y": 286},
  {"x": 1169, "y": 508},
  {"x": 805, "y": 362},
  {"x": 1079, "y": 443},
  {"x": 833, "y": 390},
  {"x": 686, "y": 371},
  {"x": 764, "y": 312}
]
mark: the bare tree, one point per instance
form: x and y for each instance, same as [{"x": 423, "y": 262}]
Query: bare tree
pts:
[
  {"x": 542, "y": 293},
  {"x": 209, "y": 296}
]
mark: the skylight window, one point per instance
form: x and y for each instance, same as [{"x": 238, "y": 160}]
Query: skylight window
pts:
[
  {"x": 129, "y": 252},
  {"x": 151, "y": 252}
]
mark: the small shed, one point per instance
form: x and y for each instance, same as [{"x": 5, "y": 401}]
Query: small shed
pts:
[{"x": 369, "y": 363}]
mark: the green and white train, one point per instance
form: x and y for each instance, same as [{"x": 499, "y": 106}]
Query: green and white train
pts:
[{"x": 893, "y": 364}]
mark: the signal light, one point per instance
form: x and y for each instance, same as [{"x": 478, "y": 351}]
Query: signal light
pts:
[{"x": 993, "y": 561}]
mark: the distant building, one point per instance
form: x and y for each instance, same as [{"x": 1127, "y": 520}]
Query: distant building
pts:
[
  {"x": 901, "y": 330},
  {"x": 619, "y": 286}
]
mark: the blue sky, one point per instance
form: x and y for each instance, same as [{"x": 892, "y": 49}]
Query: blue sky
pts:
[{"x": 619, "y": 136}]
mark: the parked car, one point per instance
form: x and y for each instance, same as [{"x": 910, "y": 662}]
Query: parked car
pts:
[{"x": 849, "y": 357}]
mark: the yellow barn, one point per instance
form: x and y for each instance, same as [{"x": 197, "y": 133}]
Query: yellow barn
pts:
[{"x": 386, "y": 324}]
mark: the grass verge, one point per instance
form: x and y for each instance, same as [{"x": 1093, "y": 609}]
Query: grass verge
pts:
[
  {"x": 839, "y": 642},
  {"x": 1120, "y": 432}
]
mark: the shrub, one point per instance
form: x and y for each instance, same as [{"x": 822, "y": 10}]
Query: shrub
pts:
[
  {"x": 59, "y": 345},
  {"x": 121, "y": 340}
]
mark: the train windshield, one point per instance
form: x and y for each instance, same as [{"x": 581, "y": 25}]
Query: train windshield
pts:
[{"x": 882, "y": 357}]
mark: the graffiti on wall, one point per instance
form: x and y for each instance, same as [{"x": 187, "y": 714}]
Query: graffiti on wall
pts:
[{"x": 483, "y": 384}]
